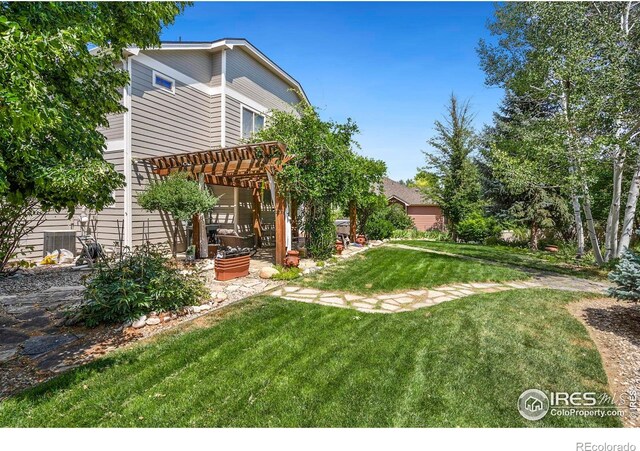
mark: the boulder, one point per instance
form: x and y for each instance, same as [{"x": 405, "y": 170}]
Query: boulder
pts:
[
  {"x": 140, "y": 322},
  {"x": 268, "y": 272},
  {"x": 153, "y": 321},
  {"x": 221, "y": 296}
]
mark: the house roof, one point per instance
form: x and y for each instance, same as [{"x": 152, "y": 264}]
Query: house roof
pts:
[
  {"x": 404, "y": 194},
  {"x": 229, "y": 43}
]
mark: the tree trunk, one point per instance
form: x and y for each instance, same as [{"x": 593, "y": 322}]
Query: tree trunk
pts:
[
  {"x": 595, "y": 245},
  {"x": 174, "y": 249},
  {"x": 630, "y": 211},
  {"x": 613, "y": 220},
  {"x": 533, "y": 240},
  {"x": 579, "y": 229}
]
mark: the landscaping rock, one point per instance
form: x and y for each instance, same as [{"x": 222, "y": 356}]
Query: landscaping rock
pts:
[
  {"x": 205, "y": 307},
  {"x": 140, "y": 323},
  {"x": 36, "y": 346},
  {"x": 7, "y": 354},
  {"x": 268, "y": 272},
  {"x": 221, "y": 296},
  {"x": 11, "y": 336},
  {"x": 153, "y": 321}
]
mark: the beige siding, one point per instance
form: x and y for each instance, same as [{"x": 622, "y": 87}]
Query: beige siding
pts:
[
  {"x": 223, "y": 212},
  {"x": 115, "y": 131},
  {"x": 102, "y": 225},
  {"x": 216, "y": 120},
  {"x": 232, "y": 121},
  {"x": 194, "y": 63},
  {"x": 163, "y": 123},
  {"x": 251, "y": 78},
  {"x": 216, "y": 69}
]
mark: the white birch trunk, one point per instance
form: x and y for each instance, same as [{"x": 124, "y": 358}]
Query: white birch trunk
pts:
[
  {"x": 578, "y": 219},
  {"x": 593, "y": 237},
  {"x": 630, "y": 211},
  {"x": 613, "y": 219}
]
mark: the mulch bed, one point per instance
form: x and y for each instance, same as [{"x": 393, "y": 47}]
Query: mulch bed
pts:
[{"x": 614, "y": 326}]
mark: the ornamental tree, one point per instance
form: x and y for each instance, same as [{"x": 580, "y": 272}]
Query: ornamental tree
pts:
[
  {"x": 325, "y": 173},
  {"x": 179, "y": 196},
  {"x": 55, "y": 93}
]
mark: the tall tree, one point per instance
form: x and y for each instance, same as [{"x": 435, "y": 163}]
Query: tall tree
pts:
[
  {"x": 55, "y": 93},
  {"x": 581, "y": 57},
  {"x": 458, "y": 188}
]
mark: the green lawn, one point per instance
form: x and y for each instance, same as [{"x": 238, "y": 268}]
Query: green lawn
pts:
[
  {"x": 271, "y": 362},
  {"x": 387, "y": 269},
  {"x": 541, "y": 260}
]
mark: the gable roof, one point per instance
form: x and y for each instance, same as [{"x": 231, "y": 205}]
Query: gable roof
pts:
[
  {"x": 404, "y": 194},
  {"x": 230, "y": 43}
]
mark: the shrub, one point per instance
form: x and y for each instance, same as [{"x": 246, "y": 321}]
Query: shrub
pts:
[
  {"x": 143, "y": 281},
  {"x": 477, "y": 228},
  {"x": 626, "y": 276},
  {"x": 383, "y": 222},
  {"x": 413, "y": 234},
  {"x": 287, "y": 273}
]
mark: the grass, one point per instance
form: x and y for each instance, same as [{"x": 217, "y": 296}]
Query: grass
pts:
[
  {"x": 271, "y": 362},
  {"x": 540, "y": 260},
  {"x": 387, "y": 269}
]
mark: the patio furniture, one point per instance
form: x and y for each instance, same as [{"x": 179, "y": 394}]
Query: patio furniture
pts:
[{"x": 230, "y": 238}]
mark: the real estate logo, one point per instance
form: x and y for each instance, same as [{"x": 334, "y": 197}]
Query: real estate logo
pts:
[{"x": 533, "y": 404}]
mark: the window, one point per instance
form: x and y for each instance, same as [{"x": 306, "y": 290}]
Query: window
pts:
[
  {"x": 164, "y": 82},
  {"x": 252, "y": 122}
]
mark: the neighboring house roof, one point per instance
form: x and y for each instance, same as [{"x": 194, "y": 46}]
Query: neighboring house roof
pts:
[
  {"x": 229, "y": 43},
  {"x": 404, "y": 194}
]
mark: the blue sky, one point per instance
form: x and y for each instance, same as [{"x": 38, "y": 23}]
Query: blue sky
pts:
[{"x": 389, "y": 66}]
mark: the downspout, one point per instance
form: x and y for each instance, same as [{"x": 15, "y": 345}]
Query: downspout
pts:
[{"x": 128, "y": 166}]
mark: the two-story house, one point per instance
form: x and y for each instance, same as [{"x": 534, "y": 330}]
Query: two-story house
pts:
[{"x": 183, "y": 97}]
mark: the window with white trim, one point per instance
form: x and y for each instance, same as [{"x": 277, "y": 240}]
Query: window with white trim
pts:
[
  {"x": 252, "y": 122},
  {"x": 163, "y": 82}
]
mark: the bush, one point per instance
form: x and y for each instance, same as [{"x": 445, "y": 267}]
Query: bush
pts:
[
  {"x": 477, "y": 228},
  {"x": 413, "y": 234},
  {"x": 287, "y": 273},
  {"x": 382, "y": 223},
  {"x": 144, "y": 281},
  {"x": 627, "y": 277}
]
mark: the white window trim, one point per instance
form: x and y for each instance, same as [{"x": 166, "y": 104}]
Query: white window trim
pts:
[
  {"x": 254, "y": 111},
  {"x": 113, "y": 146},
  {"x": 155, "y": 73}
]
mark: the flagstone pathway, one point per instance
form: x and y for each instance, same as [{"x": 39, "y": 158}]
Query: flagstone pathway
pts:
[{"x": 414, "y": 299}]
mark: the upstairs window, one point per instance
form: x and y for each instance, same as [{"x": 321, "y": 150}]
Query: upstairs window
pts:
[
  {"x": 163, "y": 82},
  {"x": 252, "y": 122}
]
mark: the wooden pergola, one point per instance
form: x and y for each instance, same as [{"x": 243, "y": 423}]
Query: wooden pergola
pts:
[{"x": 245, "y": 166}]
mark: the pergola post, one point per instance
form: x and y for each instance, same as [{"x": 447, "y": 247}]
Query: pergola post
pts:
[
  {"x": 199, "y": 233},
  {"x": 257, "y": 221},
  {"x": 352, "y": 221},
  {"x": 281, "y": 237},
  {"x": 294, "y": 219}
]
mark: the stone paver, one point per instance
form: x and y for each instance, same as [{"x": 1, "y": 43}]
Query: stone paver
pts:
[{"x": 415, "y": 299}]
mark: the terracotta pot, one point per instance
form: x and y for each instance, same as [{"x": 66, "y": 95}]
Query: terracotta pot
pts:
[
  {"x": 292, "y": 259},
  {"x": 551, "y": 248},
  {"x": 360, "y": 239},
  {"x": 232, "y": 268},
  {"x": 339, "y": 247}
]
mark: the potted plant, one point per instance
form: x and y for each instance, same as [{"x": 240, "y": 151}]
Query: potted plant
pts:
[
  {"x": 339, "y": 247},
  {"x": 361, "y": 240},
  {"x": 292, "y": 259}
]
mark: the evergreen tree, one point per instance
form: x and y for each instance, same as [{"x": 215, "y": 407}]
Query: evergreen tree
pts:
[{"x": 457, "y": 190}]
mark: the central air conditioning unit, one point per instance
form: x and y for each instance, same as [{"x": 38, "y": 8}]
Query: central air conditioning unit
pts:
[{"x": 59, "y": 239}]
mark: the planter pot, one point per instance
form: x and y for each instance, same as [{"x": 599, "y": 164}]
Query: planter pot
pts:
[
  {"x": 360, "y": 239},
  {"x": 339, "y": 247},
  {"x": 551, "y": 248},
  {"x": 292, "y": 259},
  {"x": 232, "y": 268}
]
